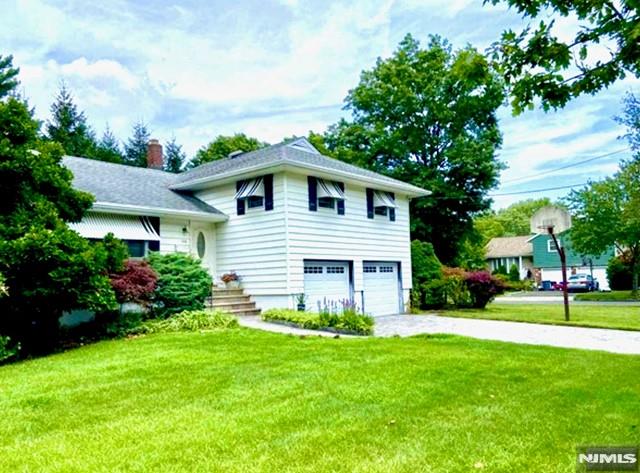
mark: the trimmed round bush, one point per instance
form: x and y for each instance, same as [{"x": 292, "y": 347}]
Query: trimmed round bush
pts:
[
  {"x": 483, "y": 288},
  {"x": 183, "y": 283}
]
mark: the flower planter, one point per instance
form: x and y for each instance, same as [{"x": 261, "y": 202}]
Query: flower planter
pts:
[
  {"x": 302, "y": 307},
  {"x": 232, "y": 284}
]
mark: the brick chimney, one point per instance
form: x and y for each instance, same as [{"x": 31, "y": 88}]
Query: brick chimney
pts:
[{"x": 154, "y": 155}]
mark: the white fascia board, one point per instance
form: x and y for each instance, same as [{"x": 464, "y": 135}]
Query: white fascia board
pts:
[
  {"x": 320, "y": 171},
  {"x": 156, "y": 212}
]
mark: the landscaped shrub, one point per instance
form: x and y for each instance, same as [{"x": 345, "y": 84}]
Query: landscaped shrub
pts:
[
  {"x": 426, "y": 268},
  {"x": 135, "y": 283},
  {"x": 348, "y": 321},
  {"x": 619, "y": 274},
  {"x": 483, "y": 288},
  {"x": 183, "y": 284},
  {"x": 8, "y": 349},
  {"x": 500, "y": 270},
  {"x": 191, "y": 321},
  {"x": 514, "y": 273},
  {"x": 434, "y": 294},
  {"x": 457, "y": 292}
]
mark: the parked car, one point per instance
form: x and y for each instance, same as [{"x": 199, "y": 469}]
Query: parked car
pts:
[
  {"x": 582, "y": 282},
  {"x": 558, "y": 286}
]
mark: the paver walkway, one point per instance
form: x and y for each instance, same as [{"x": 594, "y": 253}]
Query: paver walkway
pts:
[
  {"x": 615, "y": 341},
  {"x": 258, "y": 323}
]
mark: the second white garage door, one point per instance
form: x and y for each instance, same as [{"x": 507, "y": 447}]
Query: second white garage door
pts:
[
  {"x": 381, "y": 292},
  {"x": 326, "y": 281}
]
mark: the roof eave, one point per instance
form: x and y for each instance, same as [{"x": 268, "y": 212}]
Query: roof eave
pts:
[
  {"x": 126, "y": 209},
  {"x": 196, "y": 184}
]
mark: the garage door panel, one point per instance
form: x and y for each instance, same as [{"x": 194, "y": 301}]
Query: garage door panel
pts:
[
  {"x": 381, "y": 289},
  {"x": 326, "y": 283}
]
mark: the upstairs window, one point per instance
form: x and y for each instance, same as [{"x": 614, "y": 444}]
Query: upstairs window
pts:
[
  {"x": 551, "y": 246},
  {"x": 380, "y": 203},
  {"x": 326, "y": 194},
  {"x": 254, "y": 193}
]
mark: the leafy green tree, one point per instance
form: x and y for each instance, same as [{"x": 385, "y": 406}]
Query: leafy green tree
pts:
[
  {"x": 606, "y": 213},
  {"x": 8, "y": 75},
  {"x": 538, "y": 64},
  {"x": 174, "y": 156},
  {"x": 48, "y": 267},
  {"x": 69, "y": 127},
  {"x": 511, "y": 221},
  {"x": 135, "y": 150},
  {"x": 223, "y": 145},
  {"x": 108, "y": 148},
  {"x": 428, "y": 117},
  {"x": 631, "y": 119}
]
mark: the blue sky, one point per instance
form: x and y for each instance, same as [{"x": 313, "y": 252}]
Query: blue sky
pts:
[{"x": 276, "y": 68}]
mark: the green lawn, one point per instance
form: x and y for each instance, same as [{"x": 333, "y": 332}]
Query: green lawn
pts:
[
  {"x": 612, "y": 296},
  {"x": 245, "y": 401},
  {"x": 620, "y": 317}
]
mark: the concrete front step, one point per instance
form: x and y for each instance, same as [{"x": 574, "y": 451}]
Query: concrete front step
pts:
[
  {"x": 217, "y": 291},
  {"x": 228, "y": 307},
  {"x": 228, "y": 300},
  {"x": 244, "y": 312}
]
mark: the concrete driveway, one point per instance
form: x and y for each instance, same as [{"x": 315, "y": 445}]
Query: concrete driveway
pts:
[{"x": 615, "y": 341}]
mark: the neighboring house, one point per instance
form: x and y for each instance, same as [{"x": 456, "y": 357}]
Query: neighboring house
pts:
[
  {"x": 536, "y": 252},
  {"x": 507, "y": 251},
  {"x": 287, "y": 219},
  {"x": 547, "y": 260}
]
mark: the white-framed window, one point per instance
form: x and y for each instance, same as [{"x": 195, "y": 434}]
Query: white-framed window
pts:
[
  {"x": 255, "y": 201},
  {"x": 327, "y": 202},
  {"x": 381, "y": 211},
  {"x": 335, "y": 269},
  {"x": 370, "y": 269},
  {"x": 551, "y": 246},
  {"x": 386, "y": 269},
  {"x": 313, "y": 270}
]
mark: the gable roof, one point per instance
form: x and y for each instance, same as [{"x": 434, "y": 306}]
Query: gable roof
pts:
[
  {"x": 128, "y": 189},
  {"x": 504, "y": 247},
  {"x": 298, "y": 153}
]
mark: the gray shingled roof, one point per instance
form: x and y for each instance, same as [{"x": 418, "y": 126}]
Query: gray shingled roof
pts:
[
  {"x": 127, "y": 185},
  {"x": 282, "y": 153},
  {"x": 503, "y": 247}
]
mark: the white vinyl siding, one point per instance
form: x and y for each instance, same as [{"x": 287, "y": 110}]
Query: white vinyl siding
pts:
[
  {"x": 254, "y": 244},
  {"x": 350, "y": 237},
  {"x": 172, "y": 238}
]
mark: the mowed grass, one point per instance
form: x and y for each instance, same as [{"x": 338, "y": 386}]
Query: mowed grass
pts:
[
  {"x": 602, "y": 316},
  {"x": 249, "y": 401},
  {"x": 612, "y": 296}
]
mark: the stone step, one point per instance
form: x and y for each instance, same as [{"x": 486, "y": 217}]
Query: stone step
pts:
[
  {"x": 229, "y": 292},
  {"x": 244, "y": 312},
  {"x": 231, "y": 306},
  {"x": 228, "y": 299}
]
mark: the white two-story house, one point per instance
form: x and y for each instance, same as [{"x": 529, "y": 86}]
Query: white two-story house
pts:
[{"x": 285, "y": 218}]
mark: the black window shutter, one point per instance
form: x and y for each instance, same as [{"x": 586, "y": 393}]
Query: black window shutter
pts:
[
  {"x": 239, "y": 202},
  {"x": 341, "y": 202},
  {"x": 313, "y": 193},
  {"x": 268, "y": 191},
  {"x": 392, "y": 211},
  {"x": 369, "y": 203}
]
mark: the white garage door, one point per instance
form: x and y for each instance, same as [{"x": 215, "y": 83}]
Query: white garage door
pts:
[
  {"x": 381, "y": 295},
  {"x": 326, "y": 282}
]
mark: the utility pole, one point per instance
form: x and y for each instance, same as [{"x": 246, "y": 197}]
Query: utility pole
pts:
[{"x": 563, "y": 264}]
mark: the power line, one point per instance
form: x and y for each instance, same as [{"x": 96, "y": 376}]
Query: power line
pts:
[
  {"x": 538, "y": 190},
  {"x": 578, "y": 163}
]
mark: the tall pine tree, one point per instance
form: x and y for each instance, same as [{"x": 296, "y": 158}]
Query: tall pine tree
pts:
[
  {"x": 108, "y": 149},
  {"x": 69, "y": 127},
  {"x": 174, "y": 156},
  {"x": 135, "y": 150},
  {"x": 8, "y": 74}
]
